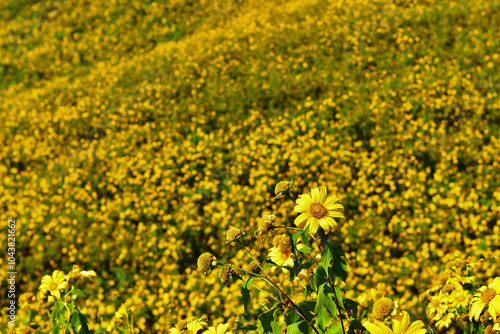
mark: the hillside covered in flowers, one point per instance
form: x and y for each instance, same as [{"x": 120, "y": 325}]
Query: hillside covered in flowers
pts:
[{"x": 135, "y": 133}]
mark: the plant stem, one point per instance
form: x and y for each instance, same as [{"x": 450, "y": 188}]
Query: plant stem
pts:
[
  {"x": 295, "y": 308},
  {"x": 290, "y": 197},
  {"x": 288, "y": 227},
  {"x": 332, "y": 285}
]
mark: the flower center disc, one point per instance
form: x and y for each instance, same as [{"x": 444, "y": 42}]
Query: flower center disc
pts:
[
  {"x": 318, "y": 211},
  {"x": 488, "y": 295},
  {"x": 53, "y": 287}
]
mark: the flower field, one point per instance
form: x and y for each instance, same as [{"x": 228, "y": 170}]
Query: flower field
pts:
[{"x": 135, "y": 133}]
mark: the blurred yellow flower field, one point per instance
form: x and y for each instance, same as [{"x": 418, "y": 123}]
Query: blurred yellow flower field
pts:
[{"x": 135, "y": 133}]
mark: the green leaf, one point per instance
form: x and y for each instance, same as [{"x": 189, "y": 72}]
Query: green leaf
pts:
[
  {"x": 334, "y": 254},
  {"x": 298, "y": 328},
  {"x": 266, "y": 323},
  {"x": 319, "y": 278},
  {"x": 245, "y": 293},
  {"x": 338, "y": 293},
  {"x": 324, "y": 305},
  {"x": 351, "y": 305},
  {"x": 79, "y": 292},
  {"x": 335, "y": 329},
  {"x": 84, "y": 322},
  {"x": 307, "y": 308}
]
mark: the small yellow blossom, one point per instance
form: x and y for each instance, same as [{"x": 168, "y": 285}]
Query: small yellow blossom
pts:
[
  {"x": 54, "y": 283},
  {"x": 76, "y": 274},
  {"x": 281, "y": 253},
  {"x": 383, "y": 308},
  {"x": 318, "y": 210}
]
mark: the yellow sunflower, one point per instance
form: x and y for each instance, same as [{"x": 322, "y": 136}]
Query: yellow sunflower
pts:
[
  {"x": 318, "y": 210},
  {"x": 400, "y": 324},
  {"x": 54, "y": 283},
  {"x": 487, "y": 296}
]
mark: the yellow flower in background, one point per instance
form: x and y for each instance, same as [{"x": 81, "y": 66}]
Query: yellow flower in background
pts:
[
  {"x": 460, "y": 298},
  {"x": 437, "y": 307},
  {"x": 54, "y": 283},
  {"x": 400, "y": 324},
  {"x": 445, "y": 321},
  {"x": 197, "y": 324},
  {"x": 221, "y": 328},
  {"x": 487, "y": 297},
  {"x": 76, "y": 274},
  {"x": 318, "y": 210},
  {"x": 281, "y": 253}
]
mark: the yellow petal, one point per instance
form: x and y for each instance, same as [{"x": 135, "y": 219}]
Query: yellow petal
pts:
[
  {"x": 330, "y": 200},
  {"x": 378, "y": 328},
  {"x": 301, "y": 220},
  {"x": 315, "y": 195},
  {"x": 322, "y": 194}
]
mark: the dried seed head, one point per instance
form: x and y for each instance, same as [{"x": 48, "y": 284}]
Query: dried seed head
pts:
[
  {"x": 282, "y": 187},
  {"x": 233, "y": 233},
  {"x": 252, "y": 266},
  {"x": 226, "y": 275},
  {"x": 383, "y": 308},
  {"x": 205, "y": 262}
]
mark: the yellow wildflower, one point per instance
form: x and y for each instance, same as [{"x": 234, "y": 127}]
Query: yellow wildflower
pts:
[
  {"x": 76, "y": 274},
  {"x": 281, "y": 253},
  {"x": 54, "y": 283},
  {"x": 400, "y": 324},
  {"x": 445, "y": 321},
  {"x": 487, "y": 297},
  {"x": 318, "y": 210}
]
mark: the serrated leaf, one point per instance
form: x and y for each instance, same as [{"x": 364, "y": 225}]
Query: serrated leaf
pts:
[
  {"x": 266, "y": 323},
  {"x": 245, "y": 293},
  {"x": 298, "y": 328},
  {"x": 324, "y": 306},
  {"x": 334, "y": 254}
]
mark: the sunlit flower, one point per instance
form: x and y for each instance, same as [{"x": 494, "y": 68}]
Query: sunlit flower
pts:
[
  {"x": 487, "y": 297},
  {"x": 197, "y": 324},
  {"x": 76, "y": 274},
  {"x": 318, "y": 210},
  {"x": 281, "y": 253},
  {"x": 437, "y": 306},
  {"x": 445, "y": 321},
  {"x": 400, "y": 325},
  {"x": 221, "y": 328},
  {"x": 54, "y": 283},
  {"x": 460, "y": 298}
]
